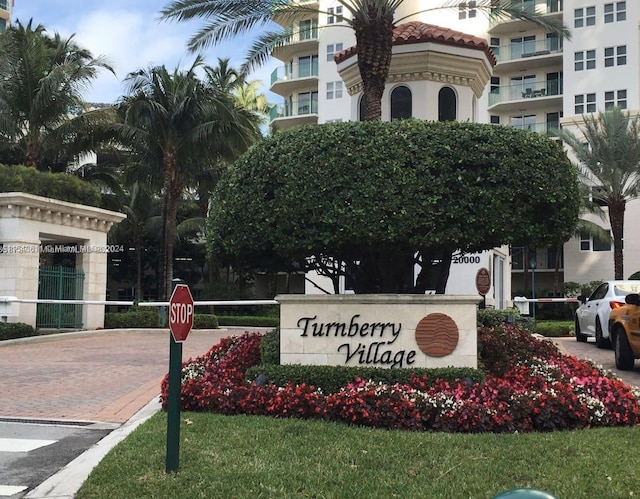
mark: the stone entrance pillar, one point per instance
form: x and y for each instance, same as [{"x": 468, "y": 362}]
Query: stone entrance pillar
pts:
[{"x": 28, "y": 223}]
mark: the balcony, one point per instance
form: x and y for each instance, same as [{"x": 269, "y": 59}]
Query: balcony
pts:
[
  {"x": 528, "y": 55},
  {"x": 286, "y": 79},
  {"x": 304, "y": 39},
  {"x": 542, "y": 127},
  {"x": 294, "y": 112},
  {"x": 529, "y": 95},
  {"x": 552, "y": 9}
]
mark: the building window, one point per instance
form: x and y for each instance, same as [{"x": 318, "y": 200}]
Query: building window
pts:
[
  {"x": 615, "y": 12},
  {"x": 333, "y": 49},
  {"x": 495, "y": 46},
  {"x": 554, "y": 5},
  {"x": 401, "y": 103},
  {"x": 584, "y": 16},
  {"x": 467, "y": 10},
  {"x": 334, "y": 15},
  {"x": 307, "y": 103},
  {"x": 615, "y": 56},
  {"x": 585, "y": 59},
  {"x": 527, "y": 122},
  {"x": 495, "y": 84},
  {"x": 553, "y": 121},
  {"x": 361, "y": 108},
  {"x": 334, "y": 90},
  {"x": 589, "y": 243},
  {"x": 554, "y": 42},
  {"x": 307, "y": 66},
  {"x": 523, "y": 46},
  {"x": 615, "y": 98},
  {"x": 522, "y": 87},
  {"x": 447, "y": 108},
  {"x": 494, "y": 119},
  {"x": 585, "y": 103},
  {"x": 308, "y": 30}
]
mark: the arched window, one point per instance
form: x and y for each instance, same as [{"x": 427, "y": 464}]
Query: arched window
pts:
[
  {"x": 447, "y": 110},
  {"x": 361, "y": 108},
  {"x": 400, "y": 103}
]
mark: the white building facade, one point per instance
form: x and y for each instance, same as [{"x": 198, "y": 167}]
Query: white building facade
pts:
[{"x": 539, "y": 82}]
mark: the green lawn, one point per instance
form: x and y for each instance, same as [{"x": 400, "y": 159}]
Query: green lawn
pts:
[{"x": 251, "y": 457}]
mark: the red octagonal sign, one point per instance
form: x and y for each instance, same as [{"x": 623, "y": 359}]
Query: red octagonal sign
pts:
[{"x": 180, "y": 312}]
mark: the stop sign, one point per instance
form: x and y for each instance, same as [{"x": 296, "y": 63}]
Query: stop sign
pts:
[{"x": 180, "y": 312}]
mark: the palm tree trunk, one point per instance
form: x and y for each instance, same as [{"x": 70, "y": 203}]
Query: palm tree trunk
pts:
[
  {"x": 616, "y": 219},
  {"x": 374, "y": 40},
  {"x": 137, "y": 243},
  {"x": 164, "y": 217},
  {"x": 172, "y": 213}
]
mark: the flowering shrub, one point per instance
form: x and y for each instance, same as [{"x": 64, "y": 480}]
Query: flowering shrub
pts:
[{"x": 529, "y": 386}]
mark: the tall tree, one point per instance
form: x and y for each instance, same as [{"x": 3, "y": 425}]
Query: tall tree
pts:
[
  {"x": 179, "y": 127},
  {"x": 372, "y": 21},
  {"x": 41, "y": 108},
  {"x": 608, "y": 153}
]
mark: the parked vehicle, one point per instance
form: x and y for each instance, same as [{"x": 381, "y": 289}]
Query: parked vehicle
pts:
[
  {"x": 624, "y": 331},
  {"x": 592, "y": 317}
]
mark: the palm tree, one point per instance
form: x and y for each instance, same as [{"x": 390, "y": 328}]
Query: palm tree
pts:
[
  {"x": 372, "y": 21},
  {"x": 41, "y": 89},
  {"x": 178, "y": 128},
  {"x": 608, "y": 154}
]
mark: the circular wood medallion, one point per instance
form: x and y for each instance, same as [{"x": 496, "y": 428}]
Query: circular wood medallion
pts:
[
  {"x": 483, "y": 281},
  {"x": 437, "y": 335}
]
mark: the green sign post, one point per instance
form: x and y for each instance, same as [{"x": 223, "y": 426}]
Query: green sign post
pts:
[{"x": 181, "y": 307}]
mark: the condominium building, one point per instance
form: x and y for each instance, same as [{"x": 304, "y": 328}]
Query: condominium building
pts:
[
  {"x": 6, "y": 6},
  {"x": 537, "y": 81}
]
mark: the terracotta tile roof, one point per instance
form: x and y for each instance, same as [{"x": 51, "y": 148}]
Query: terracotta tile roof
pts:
[{"x": 418, "y": 32}]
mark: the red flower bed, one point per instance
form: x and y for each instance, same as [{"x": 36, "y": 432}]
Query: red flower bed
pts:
[{"x": 530, "y": 386}]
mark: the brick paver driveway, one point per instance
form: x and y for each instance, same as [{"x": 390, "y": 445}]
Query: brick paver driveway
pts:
[{"x": 102, "y": 376}]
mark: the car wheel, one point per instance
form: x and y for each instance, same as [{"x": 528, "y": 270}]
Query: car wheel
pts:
[
  {"x": 623, "y": 353},
  {"x": 582, "y": 338},
  {"x": 600, "y": 341}
]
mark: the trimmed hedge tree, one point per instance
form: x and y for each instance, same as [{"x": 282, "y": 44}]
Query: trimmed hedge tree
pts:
[{"x": 380, "y": 197}]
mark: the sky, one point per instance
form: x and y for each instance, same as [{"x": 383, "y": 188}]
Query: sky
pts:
[{"x": 131, "y": 36}]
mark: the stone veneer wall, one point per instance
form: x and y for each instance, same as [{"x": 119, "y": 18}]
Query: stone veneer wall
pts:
[
  {"x": 379, "y": 330},
  {"x": 26, "y": 221}
]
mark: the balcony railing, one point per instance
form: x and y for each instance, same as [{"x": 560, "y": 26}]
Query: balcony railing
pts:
[
  {"x": 525, "y": 90},
  {"x": 534, "y": 6},
  {"x": 527, "y": 49},
  {"x": 293, "y": 108},
  {"x": 538, "y": 127},
  {"x": 294, "y": 71}
]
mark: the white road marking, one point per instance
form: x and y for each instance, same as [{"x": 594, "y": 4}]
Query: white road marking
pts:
[
  {"x": 9, "y": 490},
  {"x": 22, "y": 445}
]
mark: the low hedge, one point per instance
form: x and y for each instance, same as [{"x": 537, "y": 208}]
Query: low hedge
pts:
[
  {"x": 331, "y": 378},
  {"x": 134, "y": 319},
  {"x": 256, "y": 321},
  {"x": 555, "y": 329},
  {"x": 270, "y": 347},
  {"x": 13, "y": 330},
  {"x": 205, "y": 321},
  {"x": 148, "y": 317},
  {"x": 60, "y": 186},
  {"x": 491, "y": 317}
]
